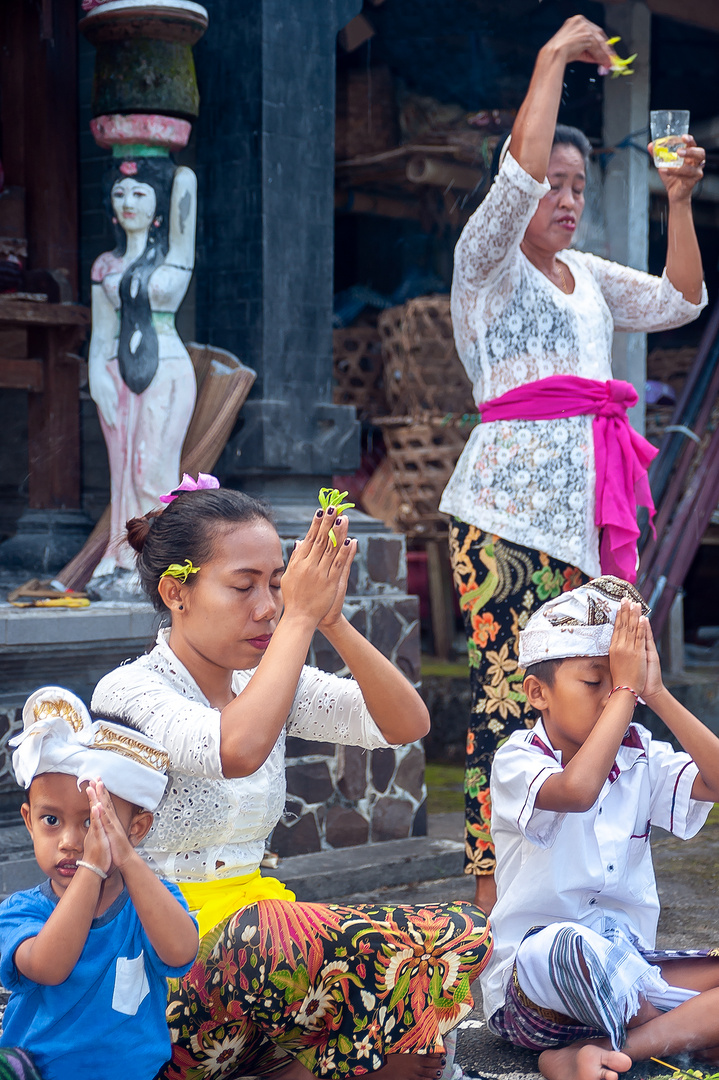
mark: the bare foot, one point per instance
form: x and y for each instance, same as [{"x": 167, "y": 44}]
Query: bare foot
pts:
[
  {"x": 412, "y": 1067},
  {"x": 485, "y": 894},
  {"x": 583, "y": 1061}
]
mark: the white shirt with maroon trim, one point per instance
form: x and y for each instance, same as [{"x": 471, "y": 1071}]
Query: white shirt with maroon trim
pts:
[{"x": 554, "y": 867}]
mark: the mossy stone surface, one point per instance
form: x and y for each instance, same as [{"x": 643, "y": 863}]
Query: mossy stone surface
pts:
[{"x": 145, "y": 75}]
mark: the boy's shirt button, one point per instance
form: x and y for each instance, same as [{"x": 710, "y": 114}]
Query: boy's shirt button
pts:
[{"x": 610, "y": 867}]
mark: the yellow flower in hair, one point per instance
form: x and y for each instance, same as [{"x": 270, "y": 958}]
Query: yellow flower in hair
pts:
[{"x": 180, "y": 572}]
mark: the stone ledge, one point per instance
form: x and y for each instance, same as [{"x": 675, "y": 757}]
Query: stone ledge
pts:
[
  {"x": 329, "y": 875},
  {"x": 323, "y": 875},
  {"x": 105, "y": 621}
]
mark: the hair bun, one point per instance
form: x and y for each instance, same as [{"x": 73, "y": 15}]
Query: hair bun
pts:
[{"x": 138, "y": 528}]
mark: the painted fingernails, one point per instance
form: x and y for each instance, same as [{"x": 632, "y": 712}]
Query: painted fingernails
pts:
[
  {"x": 347, "y": 542},
  {"x": 338, "y": 521},
  {"x": 320, "y": 513},
  {"x": 330, "y": 511}
]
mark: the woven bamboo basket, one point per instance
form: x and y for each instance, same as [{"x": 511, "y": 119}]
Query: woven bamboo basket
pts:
[
  {"x": 671, "y": 365},
  {"x": 422, "y": 370},
  {"x": 423, "y": 451},
  {"x": 359, "y": 371}
]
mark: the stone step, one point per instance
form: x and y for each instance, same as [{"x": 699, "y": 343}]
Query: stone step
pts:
[
  {"x": 328, "y": 875},
  {"x": 321, "y": 875}
]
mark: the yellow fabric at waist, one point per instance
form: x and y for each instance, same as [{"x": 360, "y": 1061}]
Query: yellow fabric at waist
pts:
[{"x": 213, "y": 901}]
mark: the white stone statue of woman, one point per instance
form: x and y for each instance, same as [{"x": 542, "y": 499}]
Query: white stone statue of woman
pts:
[{"x": 140, "y": 373}]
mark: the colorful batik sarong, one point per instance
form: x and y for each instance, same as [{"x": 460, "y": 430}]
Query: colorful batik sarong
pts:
[
  {"x": 336, "y": 987},
  {"x": 499, "y": 584}
]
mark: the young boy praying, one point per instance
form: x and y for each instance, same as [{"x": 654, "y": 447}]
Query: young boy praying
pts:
[
  {"x": 86, "y": 955},
  {"x": 574, "y": 972}
]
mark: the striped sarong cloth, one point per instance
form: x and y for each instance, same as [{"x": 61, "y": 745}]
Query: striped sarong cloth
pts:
[
  {"x": 593, "y": 1010},
  {"x": 15, "y": 1064}
]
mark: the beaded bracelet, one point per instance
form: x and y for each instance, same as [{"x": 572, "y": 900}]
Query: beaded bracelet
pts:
[
  {"x": 637, "y": 698},
  {"x": 91, "y": 866}
]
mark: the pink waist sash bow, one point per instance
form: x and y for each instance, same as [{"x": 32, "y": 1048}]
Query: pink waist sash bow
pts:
[{"x": 621, "y": 455}]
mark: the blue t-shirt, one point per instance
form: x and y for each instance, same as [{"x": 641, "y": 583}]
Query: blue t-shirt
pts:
[{"x": 107, "y": 1019}]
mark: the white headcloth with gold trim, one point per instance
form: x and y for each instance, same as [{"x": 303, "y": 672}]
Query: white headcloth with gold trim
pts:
[
  {"x": 60, "y": 736},
  {"x": 576, "y": 623}
]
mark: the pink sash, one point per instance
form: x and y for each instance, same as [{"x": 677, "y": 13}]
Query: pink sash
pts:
[{"x": 621, "y": 455}]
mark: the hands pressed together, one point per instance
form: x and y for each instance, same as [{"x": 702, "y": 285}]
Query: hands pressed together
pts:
[
  {"x": 106, "y": 844},
  {"x": 633, "y": 657},
  {"x": 315, "y": 581}
]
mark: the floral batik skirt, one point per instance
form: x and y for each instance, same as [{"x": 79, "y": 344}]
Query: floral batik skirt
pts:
[
  {"x": 337, "y": 988},
  {"x": 499, "y": 584}
]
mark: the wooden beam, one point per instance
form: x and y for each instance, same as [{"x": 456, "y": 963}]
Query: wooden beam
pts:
[
  {"x": 26, "y": 313},
  {"x": 21, "y": 375},
  {"x": 49, "y": 101},
  {"x": 54, "y": 420},
  {"x": 703, "y": 13},
  {"x": 366, "y": 202}
]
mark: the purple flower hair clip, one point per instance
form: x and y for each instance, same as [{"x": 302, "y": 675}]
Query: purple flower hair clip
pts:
[{"x": 203, "y": 483}]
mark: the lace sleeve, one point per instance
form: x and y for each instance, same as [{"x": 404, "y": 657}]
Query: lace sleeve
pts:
[
  {"x": 639, "y": 301},
  {"x": 330, "y": 708},
  {"x": 189, "y": 730},
  {"x": 495, "y": 230}
]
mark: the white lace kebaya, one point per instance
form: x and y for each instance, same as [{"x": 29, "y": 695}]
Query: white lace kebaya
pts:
[
  {"x": 532, "y": 481},
  {"x": 208, "y": 827}
]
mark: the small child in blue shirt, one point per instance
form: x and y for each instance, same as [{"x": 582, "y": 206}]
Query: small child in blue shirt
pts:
[{"x": 86, "y": 955}]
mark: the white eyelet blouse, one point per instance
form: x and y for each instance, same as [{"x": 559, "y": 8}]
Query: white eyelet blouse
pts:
[
  {"x": 206, "y": 826},
  {"x": 532, "y": 482}
]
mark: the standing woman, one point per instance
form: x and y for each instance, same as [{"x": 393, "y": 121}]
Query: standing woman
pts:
[
  {"x": 279, "y": 987},
  {"x": 535, "y": 510}
]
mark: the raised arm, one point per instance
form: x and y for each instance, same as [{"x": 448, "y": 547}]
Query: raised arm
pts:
[
  {"x": 392, "y": 701},
  {"x": 700, "y": 743},
  {"x": 639, "y": 301},
  {"x": 493, "y": 234},
  {"x": 533, "y": 131},
  {"x": 170, "y": 930},
  {"x": 576, "y": 788},
  {"x": 684, "y": 261},
  {"x": 50, "y": 956},
  {"x": 183, "y": 220}
]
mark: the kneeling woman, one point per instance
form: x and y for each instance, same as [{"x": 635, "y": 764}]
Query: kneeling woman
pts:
[{"x": 279, "y": 987}]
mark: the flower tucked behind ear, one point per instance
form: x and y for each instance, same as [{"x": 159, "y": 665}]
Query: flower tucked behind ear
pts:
[
  {"x": 332, "y": 497},
  {"x": 180, "y": 572}
]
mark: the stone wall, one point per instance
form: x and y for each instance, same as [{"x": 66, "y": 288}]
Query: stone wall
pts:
[{"x": 344, "y": 796}]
